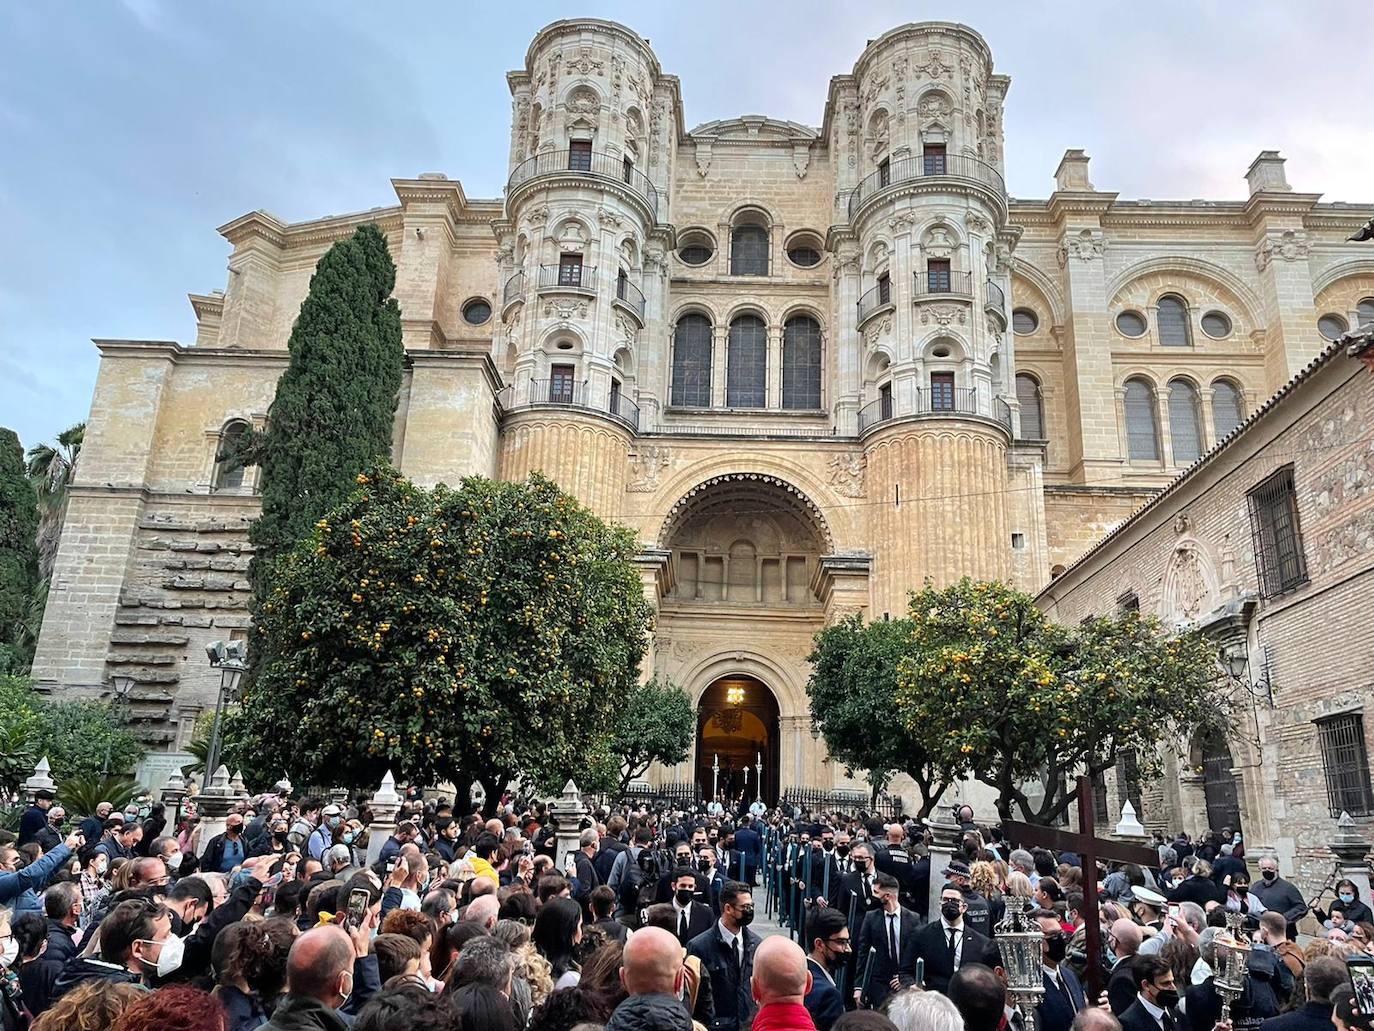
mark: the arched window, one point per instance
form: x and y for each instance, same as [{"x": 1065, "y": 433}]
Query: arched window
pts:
[
  {"x": 801, "y": 363},
  {"x": 1226, "y": 412},
  {"x": 1173, "y": 322},
  {"x": 1142, "y": 426},
  {"x": 229, "y": 471},
  {"x": 1032, "y": 412},
  {"x": 749, "y": 250},
  {"x": 1364, "y": 311},
  {"x": 746, "y": 363},
  {"x": 692, "y": 362},
  {"x": 1185, "y": 423}
]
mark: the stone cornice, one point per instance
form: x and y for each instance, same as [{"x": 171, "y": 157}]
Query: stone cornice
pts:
[
  {"x": 261, "y": 224},
  {"x": 1280, "y": 202},
  {"x": 574, "y": 26},
  {"x": 926, "y": 187},
  {"x": 925, "y": 30},
  {"x": 1063, "y": 203},
  {"x": 448, "y": 192},
  {"x": 754, "y": 130},
  {"x": 440, "y": 359},
  {"x": 206, "y": 305},
  {"x": 180, "y": 353},
  {"x": 565, "y": 178}
]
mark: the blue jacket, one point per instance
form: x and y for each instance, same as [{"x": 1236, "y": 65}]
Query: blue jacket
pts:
[
  {"x": 823, "y": 1001},
  {"x": 19, "y": 890}
]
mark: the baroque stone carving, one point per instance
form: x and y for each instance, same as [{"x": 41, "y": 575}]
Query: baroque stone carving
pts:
[
  {"x": 584, "y": 101},
  {"x": 703, "y": 157},
  {"x": 899, "y": 222},
  {"x": 943, "y": 315},
  {"x": 976, "y": 222},
  {"x": 847, "y": 474},
  {"x": 648, "y": 461},
  {"x": 607, "y": 217},
  {"x": 934, "y": 107},
  {"x": 801, "y": 158},
  {"x": 934, "y": 68},
  {"x": 1189, "y": 587},
  {"x": 585, "y": 63},
  {"x": 566, "y": 308},
  {"x": 1286, "y": 246},
  {"x": 1086, "y": 245},
  {"x": 876, "y": 330},
  {"x": 626, "y": 328}
]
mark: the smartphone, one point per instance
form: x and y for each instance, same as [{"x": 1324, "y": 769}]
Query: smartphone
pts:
[
  {"x": 358, "y": 901},
  {"x": 1173, "y": 911},
  {"x": 390, "y": 867},
  {"x": 268, "y": 896}
]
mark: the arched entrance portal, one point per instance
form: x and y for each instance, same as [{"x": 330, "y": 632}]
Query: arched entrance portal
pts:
[
  {"x": 1218, "y": 782},
  {"x": 737, "y": 724}
]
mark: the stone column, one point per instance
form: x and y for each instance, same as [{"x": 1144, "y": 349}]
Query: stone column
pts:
[
  {"x": 1351, "y": 849},
  {"x": 40, "y": 780},
  {"x": 945, "y": 834},
  {"x": 386, "y": 803},
  {"x": 214, "y": 805},
  {"x": 567, "y": 811}
]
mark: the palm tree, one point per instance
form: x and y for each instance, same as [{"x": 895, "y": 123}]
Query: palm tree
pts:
[{"x": 51, "y": 468}]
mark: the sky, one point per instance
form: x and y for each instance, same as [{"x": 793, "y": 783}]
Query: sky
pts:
[{"x": 130, "y": 129}]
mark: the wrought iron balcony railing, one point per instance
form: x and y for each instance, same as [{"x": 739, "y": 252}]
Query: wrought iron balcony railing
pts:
[
  {"x": 943, "y": 283},
  {"x": 872, "y": 300},
  {"x": 941, "y": 401},
  {"x": 514, "y": 290},
  {"x": 581, "y": 278},
  {"x": 996, "y": 299},
  {"x": 630, "y": 295},
  {"x": 904, "y": 170},
  {"x": 571, "y": 393}
]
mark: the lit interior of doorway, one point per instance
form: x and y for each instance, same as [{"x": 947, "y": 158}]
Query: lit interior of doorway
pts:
[{"x": 737, "y": 723}]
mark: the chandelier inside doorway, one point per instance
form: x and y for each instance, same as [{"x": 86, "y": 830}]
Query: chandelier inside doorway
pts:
[{"x": 730, "y": 718}]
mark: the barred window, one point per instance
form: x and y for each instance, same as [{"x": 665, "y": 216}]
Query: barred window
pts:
[
  {"x": 801, "y": 363},
  {"x": 1346, "y": 763},
  {"x": 1279, "y": 559},
  {"x": 1226, "y": 411},
  {"x": 1174, "y": 330},
  {"x": 1142, "y": 425},
  {"x": 746, "y": 363},
  {"x": 229, "y": 471},
  {"x": 692, "y": 362},
  {"x": 749, "y": 251},
  {"x": 1184, "y": 426},
  {"x": 1128, "y": 603},
  {"x": 1032, "y": 412}
]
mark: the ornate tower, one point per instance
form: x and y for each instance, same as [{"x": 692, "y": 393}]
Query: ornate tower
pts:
[
  {"x": 920, "y": 289},
  {"x": 582, "y": 247}
]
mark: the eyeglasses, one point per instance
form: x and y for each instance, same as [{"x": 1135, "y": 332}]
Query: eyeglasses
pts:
[{"x": 839, "y": 941}]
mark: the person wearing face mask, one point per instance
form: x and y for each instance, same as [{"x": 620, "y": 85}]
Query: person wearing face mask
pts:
[
  {"x": 275, "y": 839},
  {"x": 329, "y": 976},
  {"x": 1349, "y": 903},
  {"x": 228, "y": 850},
  {"x": 133, "y": 936},
  {"x": 1279, "y": 895},
  {"x": 726, "y": 951},
  {"x": 830, "y": 952},
  {"x": 1239, "y": 898},
  {"x": 690, "y": 916},
  {"x": 1064, "y": 997},
  {"x": 322, "y": 837},
  {"x": 887, "y": 947},
  {"x": 51, "y": 835},
  {"x": 19, "y": 887},
  {"x": 1156, "y": 1002},
  {"x": 749, "y": 845},
  {"x": 947, "y": 942},
  {"x": 709, "y": 878}
]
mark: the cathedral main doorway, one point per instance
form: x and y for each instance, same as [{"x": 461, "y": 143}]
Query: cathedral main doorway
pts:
[{"x": 737, "y": 732}]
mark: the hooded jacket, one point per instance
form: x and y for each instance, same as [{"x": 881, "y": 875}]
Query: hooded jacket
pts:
[
  {"x": 83, "y": 969},
  {"x": 656, "y": 1012}
]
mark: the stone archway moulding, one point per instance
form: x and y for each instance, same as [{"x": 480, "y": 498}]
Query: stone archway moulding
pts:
[
  {"x": 684, "y": 501},
  {"x": 769, "y": 671}
]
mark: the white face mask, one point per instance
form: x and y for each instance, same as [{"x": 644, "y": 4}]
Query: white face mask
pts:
[
  {"x": 169, "y": 959},
  {"x": 9, "y": 954},
  {"x": 173, "y": 861}
]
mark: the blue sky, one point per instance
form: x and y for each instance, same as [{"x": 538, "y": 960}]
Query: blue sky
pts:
[{"x": 129, "y": 130}]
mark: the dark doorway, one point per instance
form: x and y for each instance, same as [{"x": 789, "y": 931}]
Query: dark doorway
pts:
[
  {"x": 1219, "y": 783},
  {"x": 737, "y": 725}
]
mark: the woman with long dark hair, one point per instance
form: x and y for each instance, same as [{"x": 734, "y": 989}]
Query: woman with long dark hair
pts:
[{"x": 557, "y": 930}]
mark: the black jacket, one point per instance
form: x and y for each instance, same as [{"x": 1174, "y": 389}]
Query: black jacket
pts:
[
  {"x": 1315, "y": 1016},
  {"x": 1137, "y": 1018},
  {"x": 734, "y": 1006},
  {"x": 297, "y": 1013},
  {"x": 80, "y": 970},
  {"x": 1055, "y": 1012},
  {"x": 932, "y": 946},
  {"x": 1121, "y": 986},
  {"x": 873, "y": 935},
  {"x": 1201, "y": 890},
  {"x": 33, "y": 821},
  {"x": 244, "y": 1011},
  {"x": 823, "y": 1001},
  {"x": 700, "y": 919},
  {"x": 214, "y": 853},
  {"x": 650, "y": 1013},
  {"x": 61, "y": 948},
  {"x": 196, "y": 959}
]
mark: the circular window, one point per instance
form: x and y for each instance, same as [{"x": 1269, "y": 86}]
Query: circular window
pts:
[
  {"x": 940, "y": 352},
  {"x": 477, "y": 312},
  {"x": 804, "y": 256},
  {"x": 1216, "y": 324},
  {"x": 1332, "y": 326},
  {"x": 565, "y": 345},
  {"x": 1024, "y": 321},
  {"x": 696, "y": 248},
  {"x": 805, "y": 249},
  {"x": 1131, "y": 323}
]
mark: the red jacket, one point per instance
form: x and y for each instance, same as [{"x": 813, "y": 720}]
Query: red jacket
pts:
[{"x": 783, "y": 1016}]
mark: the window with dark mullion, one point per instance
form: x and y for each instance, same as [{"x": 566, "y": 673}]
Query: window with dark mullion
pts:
[
  {"x": 570, "y": 270},
  {"x": 580, "y": 155},
  {"x": 884, "y": 289},
  {"x": 937, "y": 275},
  {"x": 885, "y": 401},
  {"x": 1279, "y": 560},
  {"x": 561, "y": 384},
  {"x": 1345, "y": 761},
  {"x": 884, "y": 172},
  {"x": 933, "y": 159},
  {"x": 749, "y": 251},
  {"x": 942, "y": 391}
]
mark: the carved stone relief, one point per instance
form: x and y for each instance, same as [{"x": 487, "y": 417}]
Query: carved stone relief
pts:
[
  {"x": 847, "y": 474},
  {"x": 647, "y": 462}
]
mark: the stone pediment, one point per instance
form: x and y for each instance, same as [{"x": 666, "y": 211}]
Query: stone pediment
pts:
[{"x": 754, "y": 128}]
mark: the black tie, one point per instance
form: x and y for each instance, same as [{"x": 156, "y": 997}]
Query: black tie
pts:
[
  {"x": 949, "y": 948},
  {"x": 1064, "y": 990},
  {"x": 739, "y": 960},
  {"x": 1169, "y": 1023},
  {"x": 682, "y": 925},
  {"x": 892, "y": 936}
]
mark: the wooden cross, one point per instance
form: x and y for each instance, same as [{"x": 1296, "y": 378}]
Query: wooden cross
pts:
[{"x": 1089, "y": 849}]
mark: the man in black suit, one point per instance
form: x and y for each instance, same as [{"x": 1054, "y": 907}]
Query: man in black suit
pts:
[
  {"x": 690, "y": 916},
  {"x": 946, "y": 944},
  {"x": 682, "y": 856},
  {"x": 1063, "y": 998},
  {"x": 726, "y": 951},
  {"x": 829, "y": 953},
  {"x": 710, "y": 878},
  {"x": 1156, "y": 1002},
  {"x": 890, "y": 934},
  {"x": 750, "y": 847}
]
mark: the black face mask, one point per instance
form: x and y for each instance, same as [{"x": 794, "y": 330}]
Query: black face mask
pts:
[
  {"x": 1056, "y": 947},
  {"x": 861, "y": 865},
  {"x": 1167, "y": 998},
  {"x": 279, "y": 836},
  {"x": 1271, "y": 875},
  {"x": 746, "y": 916},
  {"x": 949, "y": 909},
  {"x": 827, "y": 845},
  {"x": 684, "y": 860},
  {"x": 683, "y": 896},
  {"x": 843, "y": 850},
  {"x": 704, "y": 865},
  {"x": 1242, "y": 890}
]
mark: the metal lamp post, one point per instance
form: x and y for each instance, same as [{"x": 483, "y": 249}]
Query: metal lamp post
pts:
[
  {"x": 231, "y": 660},
  {"x": 1020, "y": 940},
  {"x": 121, "y": 684},
  {"x": 715, "y": 774},
  {"x": 758, "y": 781}
]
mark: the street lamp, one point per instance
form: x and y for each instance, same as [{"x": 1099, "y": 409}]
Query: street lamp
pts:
[
  {"x": 1234, "y": 663},
  {"x": 121, "y": 684},
  {"x": 231, "y": 661}
]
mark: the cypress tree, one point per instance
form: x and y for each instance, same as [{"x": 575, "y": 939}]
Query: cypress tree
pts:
[
  {"x": 18, "y": 554},
  {"x": 334, "y": 407}
]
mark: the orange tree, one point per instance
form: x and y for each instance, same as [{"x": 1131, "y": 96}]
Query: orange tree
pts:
[
  {"x": 853, "y": 674},
  {"x": 997, "y": 691},
  {"x": 481, "y": 633}
]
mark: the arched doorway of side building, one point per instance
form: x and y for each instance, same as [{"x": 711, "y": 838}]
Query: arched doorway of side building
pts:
[{"x": 737, "y": 726}]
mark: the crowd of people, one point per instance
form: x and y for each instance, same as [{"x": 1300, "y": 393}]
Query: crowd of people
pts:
[{"x": 297, "y": 916}]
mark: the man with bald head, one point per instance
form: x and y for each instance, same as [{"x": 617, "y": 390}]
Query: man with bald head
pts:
[
  {"x": 482, "y": 911},
  {"x": 329, "y": 975},
  {"x": 1123, "y": 942},
  {"x": 651, "y": 971},
  {"x": 779, "y": 986}
]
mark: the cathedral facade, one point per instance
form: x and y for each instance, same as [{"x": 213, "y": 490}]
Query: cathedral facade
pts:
[{"x": 811, "y": 367}]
